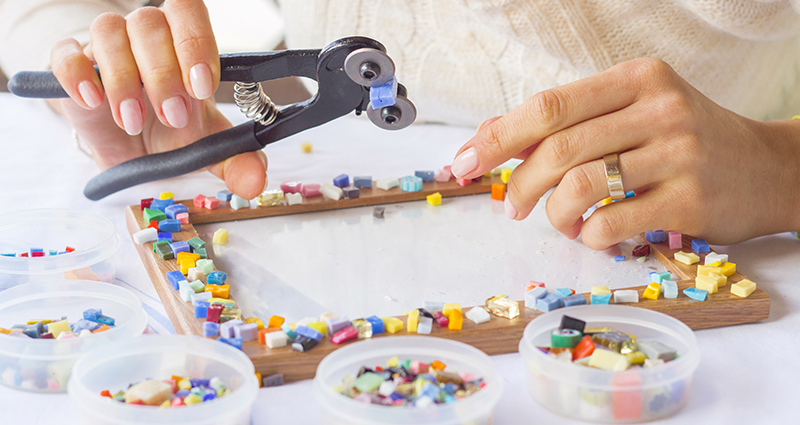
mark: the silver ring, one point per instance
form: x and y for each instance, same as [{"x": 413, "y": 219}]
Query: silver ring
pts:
[{"x": 613, "y": 176}]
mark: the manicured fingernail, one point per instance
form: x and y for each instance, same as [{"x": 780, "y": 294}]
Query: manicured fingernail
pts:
[
  {"x": 175, "y": 112},
  {"x": 266, "y": 182},
  {"x": 90, "y": 94},
  {"x": 200, "y": 79},
  {"x": 511, "y": 212},
  {"x": 131, "y": 114},
  {"x": 465, "y": 163}
]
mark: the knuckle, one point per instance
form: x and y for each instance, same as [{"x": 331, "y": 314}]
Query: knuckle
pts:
[
  {"x": 64, "y": 54},
  {"x": 578, "y": 183},
  {"x": 195, "y": 43},
  {"x": 651, "y": 75},
  {"x": 607, "y": 227},
  {"x": 181, "y": 4},
  {"x": 546, "y": 107},
  {"x": 68, "y": 65},
  {"x": 107, "y": 23},
  {"x": 676, "y": 106},
  {"x": 161, "y": 72},
  {"x": 560, "y": 149},
  {"x": 121, "y": 78},
  {"x": 645, "y": 68},
  {"x": 146, "y": 18},
  {"x": 495, "y": 142}
]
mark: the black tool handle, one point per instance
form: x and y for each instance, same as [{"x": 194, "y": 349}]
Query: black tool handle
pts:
[
  {"x": 200, "y": 154},
  {"x": 38, "y": 84}
]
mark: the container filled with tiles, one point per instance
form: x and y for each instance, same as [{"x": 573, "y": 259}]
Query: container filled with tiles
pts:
[
  {"x": 47, "y": 244},
  {"x": 625, "y": 364},
  {"x": 46, "y": 326},
  {"x": 407, "y": 380},
  {"x": 220, "y": 378}
]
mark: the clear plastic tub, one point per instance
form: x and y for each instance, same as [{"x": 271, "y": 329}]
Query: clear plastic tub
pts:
[
  {"x": 339, "y": 409},
  {"x": 118, "y": 365},
  {"x": 635, "y": 395},
  {"x": 93, "y": 236},
  {"x": 44, "y": 365}
]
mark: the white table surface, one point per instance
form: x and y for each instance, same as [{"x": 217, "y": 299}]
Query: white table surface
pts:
[{"x": 748, "y": 373}]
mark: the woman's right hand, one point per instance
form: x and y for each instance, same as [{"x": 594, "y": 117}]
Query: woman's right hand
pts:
[{"x": 167, "y": 53}]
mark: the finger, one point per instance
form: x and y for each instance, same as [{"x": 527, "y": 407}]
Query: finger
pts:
[
  {"x": 76, "y": 73},
  {"x": 483, "y": 125},
  {"x": 244, "y": 174},
  {"x": 546, "y": 113},
  {"x": 622, "y": 220},
  {"x": 112, "y": 52},
  {"x": 195, "y": 46},
  {"x": 151, "y": 43},
  {"x": 586, "y": 184},
  {"x": 97, "y": 130},
  {"x": 87, "y": 50},
  {"x": 564, "y": 150}
]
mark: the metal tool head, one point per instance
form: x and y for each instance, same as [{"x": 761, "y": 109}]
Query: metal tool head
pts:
[
  {"x": 395, "y": 117},
  {"x": 369, "y": 67}
]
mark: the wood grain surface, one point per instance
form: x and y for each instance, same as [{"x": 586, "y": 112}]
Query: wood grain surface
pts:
[
  {"x": 368, "y": 197},
  {"x": 498, "y": 336}
]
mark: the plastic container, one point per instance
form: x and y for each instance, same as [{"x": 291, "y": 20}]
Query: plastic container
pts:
[
  {"x": 339, "y": 409},
  {"x": 44, "y": 365},
  {"x": 116, "y": 366},
  {"x": 94, "y": 238},
  {"x": 635, "y": 395}
]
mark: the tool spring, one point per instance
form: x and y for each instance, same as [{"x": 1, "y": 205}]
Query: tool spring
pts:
[{"x": 254, "y": 103}]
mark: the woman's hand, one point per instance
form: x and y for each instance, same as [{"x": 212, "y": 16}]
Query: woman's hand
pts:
[
  {"x": 170, "y": 55},
  {"x": 696, "y": 167}
]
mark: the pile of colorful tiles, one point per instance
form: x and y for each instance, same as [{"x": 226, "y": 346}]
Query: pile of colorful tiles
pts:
[
  {"x": 38, "y": 252},
  {"x": 409, "y": 383},
  {"x": 174, "y": 392}
]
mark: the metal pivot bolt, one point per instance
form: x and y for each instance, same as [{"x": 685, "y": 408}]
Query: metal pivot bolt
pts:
[
  {"x": 395, "y": 117},
  {"x": 369, "y": 71},
  {"x": 391, "y": 115},
  {"x": 369, "y": 67}
]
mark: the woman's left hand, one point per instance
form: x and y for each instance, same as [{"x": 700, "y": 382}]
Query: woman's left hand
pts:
[{"x": 696, "y": 168}]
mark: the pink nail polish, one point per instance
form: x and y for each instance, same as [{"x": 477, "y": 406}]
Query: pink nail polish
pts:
[
  {"x": 200, "y": 79},
  {"x": 131, "y": 113},
  {"x": 465, "y": 163},
  {"x": 90, "y": 94},
  {"x": 175, "y": 111},
  {"x": 511, "y": 212}
]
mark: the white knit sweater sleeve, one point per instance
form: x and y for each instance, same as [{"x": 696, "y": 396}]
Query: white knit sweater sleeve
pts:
[
  {"x": 464, "y": 61},
  {"x": 28, "y": 28}
]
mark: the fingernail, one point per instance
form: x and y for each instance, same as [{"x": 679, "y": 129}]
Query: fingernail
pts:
[
  {"x": 511, "y": 212},
  {"x": 131, "y": 114},
  {"x": 266, "y": 182},
  {"x": 90, "y": 94},
  {"x": 175, "y": 112},
  {"x": 464, "y": 163},
  {"x": 200, "y": 79}
]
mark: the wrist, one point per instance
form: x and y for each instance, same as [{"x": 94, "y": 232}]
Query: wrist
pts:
[{"x": 784, "y": 136}]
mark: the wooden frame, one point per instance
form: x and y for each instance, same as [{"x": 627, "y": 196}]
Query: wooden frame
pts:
[{"x": 498, "y": 336}]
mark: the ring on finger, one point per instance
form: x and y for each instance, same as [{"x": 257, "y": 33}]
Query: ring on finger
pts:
[{"x": 613, "y": 176}]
